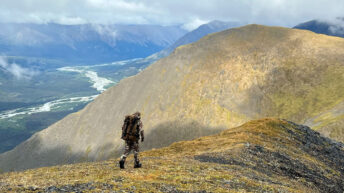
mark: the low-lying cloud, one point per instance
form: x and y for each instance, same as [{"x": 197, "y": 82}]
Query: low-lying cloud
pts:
[
  {"x": 16, "y": 70},
  {"x": 190, "y": 13},
  {"x": 337, "y": 26}
]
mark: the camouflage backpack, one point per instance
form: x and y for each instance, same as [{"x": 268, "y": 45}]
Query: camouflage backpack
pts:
[{"x": 130, "y": 129}]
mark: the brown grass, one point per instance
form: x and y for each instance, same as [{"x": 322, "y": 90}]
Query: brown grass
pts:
[{"x": 174, "y": 167}]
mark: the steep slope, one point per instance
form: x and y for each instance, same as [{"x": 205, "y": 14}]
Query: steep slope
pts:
[
  {"x": 267, "y": 155},
  {"x": 219, "y": 82},
  {"x": 332, "y": 28},
  {"x": 86, "y": 43}
]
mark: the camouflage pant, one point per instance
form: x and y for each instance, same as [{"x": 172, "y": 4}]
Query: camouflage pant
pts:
[{"x": 131, "y": 145}]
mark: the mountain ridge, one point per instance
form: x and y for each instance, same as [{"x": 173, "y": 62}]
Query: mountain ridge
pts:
[
  {"x": 262, "y": 155},
  {"x": 196, "y": 34}
]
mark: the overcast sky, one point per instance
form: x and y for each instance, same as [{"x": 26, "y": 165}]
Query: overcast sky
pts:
[{"x": 190, "y": 13}]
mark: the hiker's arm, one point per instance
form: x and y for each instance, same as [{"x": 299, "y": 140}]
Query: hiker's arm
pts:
[
  {"x": 124, "y": 128},
  {"x": 141, "y": 132},
  {"x": 142, "y": 136}
]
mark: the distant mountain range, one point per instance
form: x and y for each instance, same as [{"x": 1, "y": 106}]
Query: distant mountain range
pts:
[
  {"x": 87, "y": 43},
  {"x": 198, "y": 33},
  {"x": 330, "y": 27},
  {"x": 218, "y": 82}
]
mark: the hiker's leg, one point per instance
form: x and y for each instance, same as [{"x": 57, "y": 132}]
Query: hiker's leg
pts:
[
  {"x": 136, "y": 155},
  {"x": 136, "y": 152},
  {"x": 127, "y": 150}
]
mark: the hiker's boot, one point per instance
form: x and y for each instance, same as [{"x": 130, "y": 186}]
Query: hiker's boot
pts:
[
  {"x": 137, "y": 165},
  {"x": 121, "y": 164}
]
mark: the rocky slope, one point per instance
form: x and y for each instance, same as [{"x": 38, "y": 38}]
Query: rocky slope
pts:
[
  {"x": 266, "y": 155},
  {"x": 219, "y": 82}
]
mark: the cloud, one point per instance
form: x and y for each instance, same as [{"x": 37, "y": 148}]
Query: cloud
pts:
[
  {"x": 337, "y": 26},
  {"x": 190, "y": 13},
  {"x": 193, "y": 24},
  {"x": 16, "y": 70}
]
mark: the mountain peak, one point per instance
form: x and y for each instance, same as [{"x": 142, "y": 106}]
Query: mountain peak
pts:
[{"x": 332, "y": 27}]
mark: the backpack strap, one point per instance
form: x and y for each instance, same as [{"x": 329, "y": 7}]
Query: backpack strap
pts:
[{"x": 134, "y": 127}]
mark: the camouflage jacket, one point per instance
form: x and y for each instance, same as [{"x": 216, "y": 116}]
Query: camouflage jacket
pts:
[{"x": 132, "y": 129}]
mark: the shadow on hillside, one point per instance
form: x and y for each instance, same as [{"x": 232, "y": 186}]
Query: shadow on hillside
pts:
[
  {"x": 33, "y": 155},
  {"x": 167, "y": 133}
]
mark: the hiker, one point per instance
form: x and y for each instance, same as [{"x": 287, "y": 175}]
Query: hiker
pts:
[{"x": 131, "y": 132}]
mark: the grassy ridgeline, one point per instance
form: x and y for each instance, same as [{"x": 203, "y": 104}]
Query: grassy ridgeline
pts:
[{"x": 266, "y": 155}]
